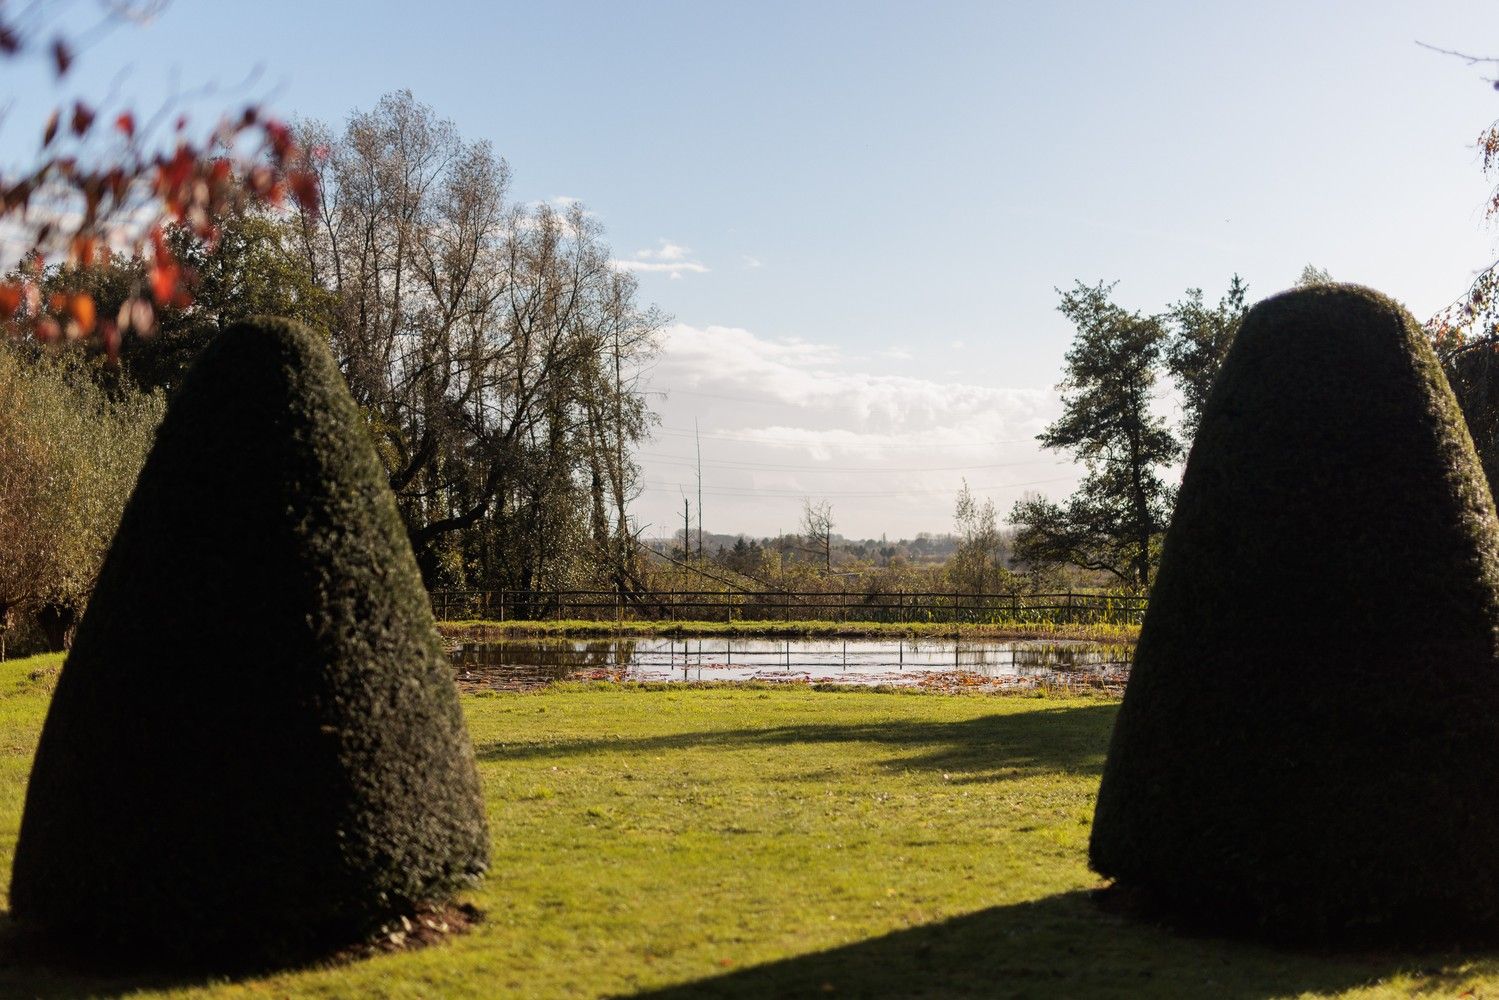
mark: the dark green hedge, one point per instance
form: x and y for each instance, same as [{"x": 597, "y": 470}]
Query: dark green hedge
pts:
[
  {"x": 1309, "y": 744},
  {"x": 255, "y": 750}
]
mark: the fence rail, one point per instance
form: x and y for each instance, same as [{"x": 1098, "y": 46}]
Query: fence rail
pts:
[{"x": 849, "y": 606}]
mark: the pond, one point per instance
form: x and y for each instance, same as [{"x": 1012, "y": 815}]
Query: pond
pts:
[{"x": 520, "y": 664}]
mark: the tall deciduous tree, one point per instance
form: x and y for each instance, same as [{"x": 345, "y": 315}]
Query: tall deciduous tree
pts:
[
  {"x": 977, "y": 563},
  {"x": 1474, "y": 315},
  {"x": 1466, "y": 333},
  {"x": 817, "y": 529},
  {"x": 1199, "y": 340},
  {"x": 494, "y": 349},
  {"x": 1123, "y": 504}
]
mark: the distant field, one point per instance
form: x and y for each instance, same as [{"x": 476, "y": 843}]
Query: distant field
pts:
[{"x": 778, "y": 842}]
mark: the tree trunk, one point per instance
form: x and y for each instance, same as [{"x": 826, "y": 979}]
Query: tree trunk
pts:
[{"x": 57, "y": 622}]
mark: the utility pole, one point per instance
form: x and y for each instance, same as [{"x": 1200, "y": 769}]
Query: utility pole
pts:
[
  {"x": 698, "y": 438},
  {"x": 687, "y": 528}
]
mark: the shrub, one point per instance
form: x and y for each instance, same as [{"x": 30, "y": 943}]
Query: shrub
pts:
[
  {"x": 69, "y": 455},
  {"x": 255, "y": 750},
  {"x": 1309, "y": 743}
]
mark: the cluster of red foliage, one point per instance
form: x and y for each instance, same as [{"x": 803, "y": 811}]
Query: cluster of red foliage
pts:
[{"x": 74, "y": 206}]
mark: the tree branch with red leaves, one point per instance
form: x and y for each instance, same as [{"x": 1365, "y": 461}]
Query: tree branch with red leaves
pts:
[{"x": 105, "y": 182}]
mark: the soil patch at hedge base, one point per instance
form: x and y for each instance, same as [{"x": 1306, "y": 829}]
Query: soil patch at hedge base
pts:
[{"x": 427, "y": 925}]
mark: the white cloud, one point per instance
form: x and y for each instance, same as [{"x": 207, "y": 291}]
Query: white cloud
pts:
[
  {"x": 869, "y": 412},
  {"x": 669, "y": 268},
  {"x": 895, "y": 354},
  {"x": 784, "y": 418},
  {"x": 668, "y": 258},
  {"x": 668, "y": 251},
  {"x": 751, "y": 262}
]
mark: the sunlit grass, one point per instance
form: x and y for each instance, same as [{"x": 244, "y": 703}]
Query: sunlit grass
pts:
[{"x": 786, "y": 842}]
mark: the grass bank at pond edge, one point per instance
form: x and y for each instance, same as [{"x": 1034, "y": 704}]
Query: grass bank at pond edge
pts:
[
  {"x": 775, "y": 842},
  {"x": 480, "y": 630}
]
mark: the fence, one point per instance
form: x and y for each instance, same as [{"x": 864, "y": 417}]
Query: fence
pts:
[{"x": 702, "y": 605}]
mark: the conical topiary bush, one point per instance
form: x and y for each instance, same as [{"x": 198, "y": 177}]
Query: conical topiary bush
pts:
[
  {"x": 255, "y": 749},
  {"x": 1309, "y": 744}
]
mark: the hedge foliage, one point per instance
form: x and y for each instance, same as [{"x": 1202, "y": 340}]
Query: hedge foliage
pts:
[
  {"x": 255, "y": 750},
  {"x": 1309, "y": 744}
]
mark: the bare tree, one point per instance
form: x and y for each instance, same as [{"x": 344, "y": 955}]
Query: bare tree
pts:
[{"x": 817, "y": 529}]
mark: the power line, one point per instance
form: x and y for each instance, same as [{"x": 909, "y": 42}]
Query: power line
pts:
[
  {"x": 804, "y": 403},
  {"x": 684, "y": 460},
  {"x": 783, "y": 493},
  {"x": 922, "y": 443}
]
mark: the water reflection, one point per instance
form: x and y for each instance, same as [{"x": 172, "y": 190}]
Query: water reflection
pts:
[{"x": 515, "y": 664}]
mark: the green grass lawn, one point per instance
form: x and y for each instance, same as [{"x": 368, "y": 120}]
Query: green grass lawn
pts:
[{"x": 758, "y": 843}]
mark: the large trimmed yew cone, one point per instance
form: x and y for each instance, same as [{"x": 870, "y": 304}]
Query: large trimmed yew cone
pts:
[
  {"x": 255, "y": 749},
  {"x": 1308, "y": 748}
]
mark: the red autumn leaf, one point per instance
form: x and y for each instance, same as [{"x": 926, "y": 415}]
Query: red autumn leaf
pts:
[
  {"x": 172, "y": 175},
  {"x": 280, "y": 138},
  {"x": 62, "y": 56},
  {"x": 111, "y": 336},
  {"x": 126, "y": 124},
  {"x": 83, "y": 118},
  {"x": 82, "y": 250},
  {"x": 50, "y": 132},
  {"x": 10, "y": 299},
  {"x": 81, "y": 308},
  {"x": 47, "y": 330},
  {"x": 304, "y": 188},
  {"x": 10, "y": 42},
  {"x": 164, "y": 281}
]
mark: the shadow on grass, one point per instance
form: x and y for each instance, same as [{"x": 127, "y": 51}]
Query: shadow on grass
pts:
[
  {"x": 33, "y": 967},
  {"x": 1065, "y": 946},
  {"x": 992, "y": 747}
]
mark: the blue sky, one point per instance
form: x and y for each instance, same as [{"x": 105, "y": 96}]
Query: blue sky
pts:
[{"x": 878, "y": 200}]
